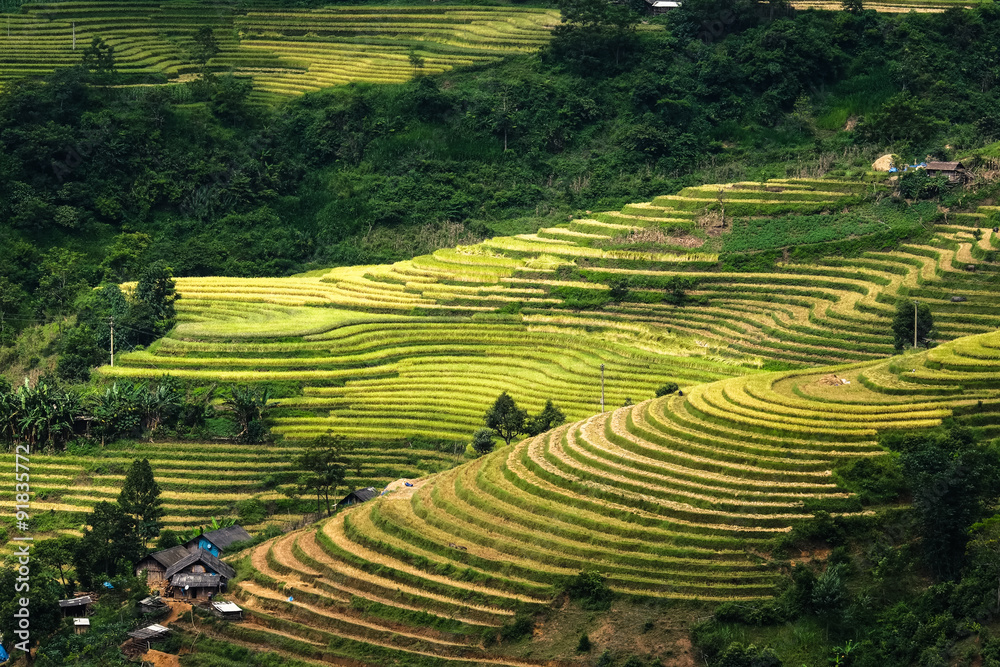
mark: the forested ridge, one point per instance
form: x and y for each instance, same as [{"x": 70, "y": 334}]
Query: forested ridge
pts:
[{"x": 363, "y": 173}]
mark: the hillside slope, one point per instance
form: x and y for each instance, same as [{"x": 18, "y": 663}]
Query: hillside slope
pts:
[{"x": 671, "y": 498}]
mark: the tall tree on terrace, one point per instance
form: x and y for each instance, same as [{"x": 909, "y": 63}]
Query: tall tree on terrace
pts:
[
  {"x": 139, "y": 500},
  {"x": 506, "y": 419},
  {"x": 324, "y": 464}
]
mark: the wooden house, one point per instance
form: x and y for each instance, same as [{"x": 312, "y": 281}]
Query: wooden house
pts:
[
  {"x": 358, "y": 496},
  {"x": 955, "y": 171},
  {"x": 227, "y": 611},
  {"x": 78, "y": 607},
  {"x": 198, "y": 575},
  {"x": 216, "y": 542},
  {"x": 155, "y": 565}
]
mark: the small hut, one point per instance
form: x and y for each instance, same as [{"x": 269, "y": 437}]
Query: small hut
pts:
[
  {"x": 156, "y": 564},
  {"x": 152, "y": 604},
  {"x": 358, "y": 496},
  {"x": 143, "y": 638},
  {"x": 227, "y": 611},
  {"x": 76, "y": 607},
  {"x": 81, "y": 626},
  {"x": 657, "y": 7},
  {"x": 216, "y": 542},
  {"x": 955, "y": 171}
]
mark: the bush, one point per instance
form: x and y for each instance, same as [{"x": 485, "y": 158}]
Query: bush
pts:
[
  {"x": 667, "y": 389},
  {"x": 591, "y": 588},
  {"x": 482, "y": 441},
  {"x": 250, "y": 511},
  {"x": 167, "y": 539},
  {"x": 584, "y": 646},
  {"x": 522, "y": 626},
  {"x": 875, "y": 480},
  {"x": 748, "y": 655}
]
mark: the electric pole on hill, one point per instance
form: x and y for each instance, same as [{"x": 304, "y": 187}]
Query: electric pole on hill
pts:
[
  {"x": 914, "y": 324},
  {"x": 112, "y": 340},
  {"x": 602, "y": 387}
]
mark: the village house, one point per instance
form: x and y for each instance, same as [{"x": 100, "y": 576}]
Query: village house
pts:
[
  {"x": 359, "y": 496},
  {"x": 955, "y": 171},
  {"x": 81, "y": 626},
  {"x": 198, "y": 575},
  {"x": 216, "y": 542},
  {"x": 227, "y": 611},
  {"x": 155, "y": 565}
]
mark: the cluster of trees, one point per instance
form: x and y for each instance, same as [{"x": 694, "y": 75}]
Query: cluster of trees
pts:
[
  {"x": 903, "y": 585},
  {"x": 505, "y": 420},
  {"x": 49, "y": 415}
]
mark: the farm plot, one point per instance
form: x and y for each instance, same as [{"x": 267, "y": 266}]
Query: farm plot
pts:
[
  {"x": 285, "y": 52},
  {"x": 669, "y": 498}
]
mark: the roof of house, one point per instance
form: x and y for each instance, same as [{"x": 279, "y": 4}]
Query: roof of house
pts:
[
  {"x": 81, "y": 621},
  {"x": 153, "y": 601},
  {"x": 226, "y": 607},
  {"x": 206, "y": 580},
  {"x": 200, "y": 555},
  {"x": 223, "y": 537},
  {"x": 149, "y": 632},
  {"x": 168, "y": 557},
  {"x": 360, "y": 495},
  {"x": 945, "y": 166},
  {"x": 76, "y": 602}
]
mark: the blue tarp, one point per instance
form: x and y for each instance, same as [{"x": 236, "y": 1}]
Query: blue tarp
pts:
[
  {"x": 3, "y": 654},
  {"x": 107, "y": 584}
]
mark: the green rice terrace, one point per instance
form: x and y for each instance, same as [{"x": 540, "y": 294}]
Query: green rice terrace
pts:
[
  {"x": 785, "y": 369},
  {"x": 285, "y": 52}
]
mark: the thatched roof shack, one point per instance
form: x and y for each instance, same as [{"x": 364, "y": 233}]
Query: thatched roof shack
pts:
[
  {"x": 358, "y": 496},
  {"x": 76, "y": 607},
  {"x": 217, "y": 541}
]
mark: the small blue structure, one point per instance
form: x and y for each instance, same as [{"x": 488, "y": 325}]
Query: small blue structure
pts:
[
  {"x": 3, "y": 654},
  {"x": 216, "y": 542}
]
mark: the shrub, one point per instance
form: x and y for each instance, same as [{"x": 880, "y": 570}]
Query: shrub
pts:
[
  {"x": 584, "y": 646},
  {"x": 167, "y": 539},
  {"x": 667, "y": 389},
  {"x": 591, "y": 588},
  {"x": 876, "y": 480},
  {"x": 521, "y": 626},
  {"x": 482, "y": 441},
  {"x": 748, "y": 655},
  {"x": 250, "y": 511}
]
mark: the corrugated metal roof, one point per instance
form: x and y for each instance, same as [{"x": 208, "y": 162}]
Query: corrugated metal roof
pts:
[
  {"x": 81, "y": 621},
  {"x": 945, "y": 166},
  {"x": 149, "y": 632},
  {"x": 207, "y": 559},
  {"x": 168, "y": 557},
  {"x": 223, "y": 537},
  {"x": 76, "y": 602},
  {"x": 226, "y": 607},
  {"x": 359, "y": 496},
  {"x": 196, "y": 580}
]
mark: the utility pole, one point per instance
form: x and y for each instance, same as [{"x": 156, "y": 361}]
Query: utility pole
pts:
[
  {"x": 74, "y": 35},
  {"x": 914, "y": 324},
  {"x": 112, "y": 340},
  {"x": 602, "y": 387}
]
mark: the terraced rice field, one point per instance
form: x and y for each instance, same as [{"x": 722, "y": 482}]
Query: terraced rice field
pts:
[
  {"x": 200, "y": 481},
  {"x": 671, "y": 498},
  {"x": 422, "y": 347},
  {"x": 285, "y": 52}
]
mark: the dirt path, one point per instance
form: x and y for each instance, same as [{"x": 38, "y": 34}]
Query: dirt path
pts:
[{"x": 161, "y": 659}]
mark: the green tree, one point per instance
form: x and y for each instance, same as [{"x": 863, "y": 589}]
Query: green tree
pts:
[
  {"x": 853, "y": 6},
  {"x": 324, "y": 463},
  {"x": 593, "y": 34},
  {"x": 902, "y": 324},
  {"x": 547, "y": 419},
  {"x": 57, "y": 553},
  {"x": 62, "y": 279},
  {"x": 123, "y": 257},
  {"x": 99, "y": 59},
  {"x": 248, "y": 407},
  {"x": 482, "y": 441},
  {"x": 666, "y": 389},
  {"x": 953, "y": 481},
  {"x": 205, "y": 47},
  {"x": 506, "y": 419},
  {"x": 156, "y": 294},
  {"x": 43, "y": 614},
  {"x": 416, "y": 62},
  {"x": 140, "y": 500},
  {"x": 110, "y": 545}
]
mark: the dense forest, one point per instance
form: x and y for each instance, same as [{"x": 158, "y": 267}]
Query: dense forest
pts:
[{"x": 99, "y": 181}]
